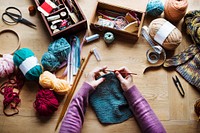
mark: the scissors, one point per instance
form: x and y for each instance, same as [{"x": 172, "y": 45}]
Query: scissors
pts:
[
  {"x": 178, "y": 85},
  {"x": 13, "y": 15}
]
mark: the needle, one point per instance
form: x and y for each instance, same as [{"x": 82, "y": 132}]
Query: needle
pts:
[{"x": 120, "y": 72}]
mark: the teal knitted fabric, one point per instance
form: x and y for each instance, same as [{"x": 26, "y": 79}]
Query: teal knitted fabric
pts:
[{"x": 108, "y": 101}]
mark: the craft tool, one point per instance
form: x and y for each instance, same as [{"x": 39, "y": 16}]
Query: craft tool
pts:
[
  {"x": 178, "y": 86},
  {"x": 120, "y": 72},
  {"x": 76, "y": 80},
  {"x": 71, "y": 14},
  {"x": 92, "y": 38},
  {"x": 96, "y": 54},
  {"x": 84, "y": 40},
  {"x": 15, "y": 16}
]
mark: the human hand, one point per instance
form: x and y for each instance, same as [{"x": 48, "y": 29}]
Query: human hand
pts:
[
  {"x": 93, "y": 75},
  {"x": 125, "y": 78}
]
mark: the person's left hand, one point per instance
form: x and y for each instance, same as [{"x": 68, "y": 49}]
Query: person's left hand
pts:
[{"x": 91, "y": 77}]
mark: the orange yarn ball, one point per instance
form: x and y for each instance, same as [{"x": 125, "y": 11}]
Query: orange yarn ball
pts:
[
  {"x": 174, "y": 10},
  {"x": 49, "y": 80}
]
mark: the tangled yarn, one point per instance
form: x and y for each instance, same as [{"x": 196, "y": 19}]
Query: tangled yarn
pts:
[
  {"x": 192, "y": 22},
  {"x": 6, "y": 65},
  {"x": 58, "y": 52},
  {"x": 174, "y": 38},
  {"x": 49, "y": 80},
  {"x": 175, "y": 10},
  {"x": 155, "y": 8},
  {"x": 46, "y": 102},
  {"x": 25, "y": 59}
]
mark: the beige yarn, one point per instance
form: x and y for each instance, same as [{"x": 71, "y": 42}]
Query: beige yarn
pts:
[{"x": 174, "y": 38}]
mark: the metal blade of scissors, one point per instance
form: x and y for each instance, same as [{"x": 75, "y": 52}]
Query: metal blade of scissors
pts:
[{"x": 26, "y": 22}]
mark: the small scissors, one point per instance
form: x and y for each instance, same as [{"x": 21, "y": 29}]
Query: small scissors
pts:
[
  {"x": 13, "y": 15},
  {"x": 178, "y": 85}
]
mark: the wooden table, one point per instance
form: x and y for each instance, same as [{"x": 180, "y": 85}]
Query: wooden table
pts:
[{"x": 176, "y": 113}]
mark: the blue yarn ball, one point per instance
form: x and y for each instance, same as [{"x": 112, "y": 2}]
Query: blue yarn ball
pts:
[
  {"x": 155, "y": 8},
  {"x": 22, "y": 55},
  {"x": 50, "y": 62},
  {"x": 58, "y": 52}
]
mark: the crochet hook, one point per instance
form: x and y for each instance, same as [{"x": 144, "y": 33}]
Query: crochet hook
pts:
[{"x": 120, "y": 72}]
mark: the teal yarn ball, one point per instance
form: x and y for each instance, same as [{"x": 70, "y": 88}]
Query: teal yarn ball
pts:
[
  {"x": 155, "y": 8},
  {"x": 25, "y": 59},
  {"x": 58, "y": 52}
]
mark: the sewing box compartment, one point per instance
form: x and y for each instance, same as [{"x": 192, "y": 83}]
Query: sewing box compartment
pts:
[
  {"x": 60, "y": 21},
  {"x": 129, "y": 22}
]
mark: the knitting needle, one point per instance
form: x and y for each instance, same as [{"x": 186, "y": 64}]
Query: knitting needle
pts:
[
  {"x": 76, "y": 80},
  {"x": 120, "y": 72}
]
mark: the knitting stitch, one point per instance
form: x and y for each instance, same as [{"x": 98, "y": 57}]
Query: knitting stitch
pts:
[{"x": 108, "y": 101}]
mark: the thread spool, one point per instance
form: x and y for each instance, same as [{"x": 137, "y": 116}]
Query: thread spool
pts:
[
  {"x": 46, "y": 102},
  {"x": 109, "y": 37},
  {"x": 32, "y": 10},
  {"x": 49, "y": 80},
  {"x": 25, "y": 59},
  {"x": 6, "y": 65},
  {"x": 155, "y": 8},
  {"x": 175, "y": 10},
  {"x": 58, "y": 52},
  {"x": 165, "y": 34},
  {"x": 92, "y": 38}
]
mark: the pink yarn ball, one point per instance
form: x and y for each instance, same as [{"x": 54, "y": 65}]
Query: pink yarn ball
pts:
[
  {"x": 46, "y": 102},
  {"x": 6, "y": 65}
]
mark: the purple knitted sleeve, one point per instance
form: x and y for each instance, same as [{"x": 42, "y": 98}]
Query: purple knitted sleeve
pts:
[
  {"x": 146, "y": 118},
  {"x": 73, "y": 120}
]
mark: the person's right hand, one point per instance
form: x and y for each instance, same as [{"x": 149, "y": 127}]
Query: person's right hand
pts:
[{"x": 125, "y": 78}]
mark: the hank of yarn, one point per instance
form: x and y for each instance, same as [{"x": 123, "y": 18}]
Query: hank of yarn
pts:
[
  {"x": 155, "y": 8},
  {"x": 197, "y": 108},
  {"x": 192, "y": 22},
  {"x": 6, "y": 65},
  {"x": 25, "y": 59},
  {"x": 46, "y": 103},
  {"x": 173, "y": 39},
  {"x": 58, "y": 52},
  {"x": 175, "y": 10},
  {"x": 50, "y": 81}
]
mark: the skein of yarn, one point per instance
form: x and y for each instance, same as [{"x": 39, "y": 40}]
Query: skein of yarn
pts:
[
  {"x": 46, "y": 102},
  {"x": 155, "y": 8},
  {"x": 25, "y": 59},
  {"x": 6, "y": 65},
  {"x": 49, "y": 80},
  {"x": 192, "y": 23},
  {"x": 175, "y": 10},
  {"x": 58, "y": 52},
  {"x": 165, "y": 34}
]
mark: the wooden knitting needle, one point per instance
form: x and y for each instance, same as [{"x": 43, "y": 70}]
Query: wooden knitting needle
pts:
[
  {"x": 76, "y": 80},
  {"x": 120, "y": 72}
]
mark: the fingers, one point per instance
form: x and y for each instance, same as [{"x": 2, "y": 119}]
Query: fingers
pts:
[
  {"x": 98, "y": 81},
  {"x": 119, "y": 76}
]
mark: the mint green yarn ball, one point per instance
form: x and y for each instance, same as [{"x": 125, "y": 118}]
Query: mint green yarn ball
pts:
[
  {"x": 155, "y": 8},
  {"x": 20, "y": 56}
]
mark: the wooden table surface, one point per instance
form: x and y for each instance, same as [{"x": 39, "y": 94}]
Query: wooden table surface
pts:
[{"x": 176, "y": 113}]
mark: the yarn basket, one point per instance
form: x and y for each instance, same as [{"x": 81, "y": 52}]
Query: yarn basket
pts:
[
  {"x": 175, "y": 10},
  {"x": 58, "y": 52},
  {"x": 172, "y": 41},
  {"x": 25, "y": 59},
  {"x": 155, "y": 8}
]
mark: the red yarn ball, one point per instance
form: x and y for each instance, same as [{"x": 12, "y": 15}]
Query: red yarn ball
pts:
[{"x": 46, "y": 102}]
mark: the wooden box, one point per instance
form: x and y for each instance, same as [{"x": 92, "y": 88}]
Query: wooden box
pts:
[
  {"x": 70, "y": 29},
  {"x": 101, "y": 6}
]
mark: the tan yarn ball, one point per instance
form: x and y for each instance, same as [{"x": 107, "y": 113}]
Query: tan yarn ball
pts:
[{"x": 172, "y": 41}]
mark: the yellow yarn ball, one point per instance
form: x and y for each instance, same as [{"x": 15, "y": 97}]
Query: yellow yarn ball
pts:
[
  {"x": 49, "y": 80},
  {"x": 172, "y": 41}
]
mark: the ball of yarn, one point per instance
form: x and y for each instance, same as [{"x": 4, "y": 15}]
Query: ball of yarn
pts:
[
  {"x": 192, "y": 23},
  {"x": 46, "y": 102},
  {"x": 49, "y": 80},
  {"x": 155, "y": 8},
  {"x": 175, "y": 10},
  {"x": 58, "y": 52},
  {"x": 25, "y": 59},
  {"x": 6, "y": 65},
  {"x": 172, "y": 41},
  {"x": 197, "y": 108}
]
